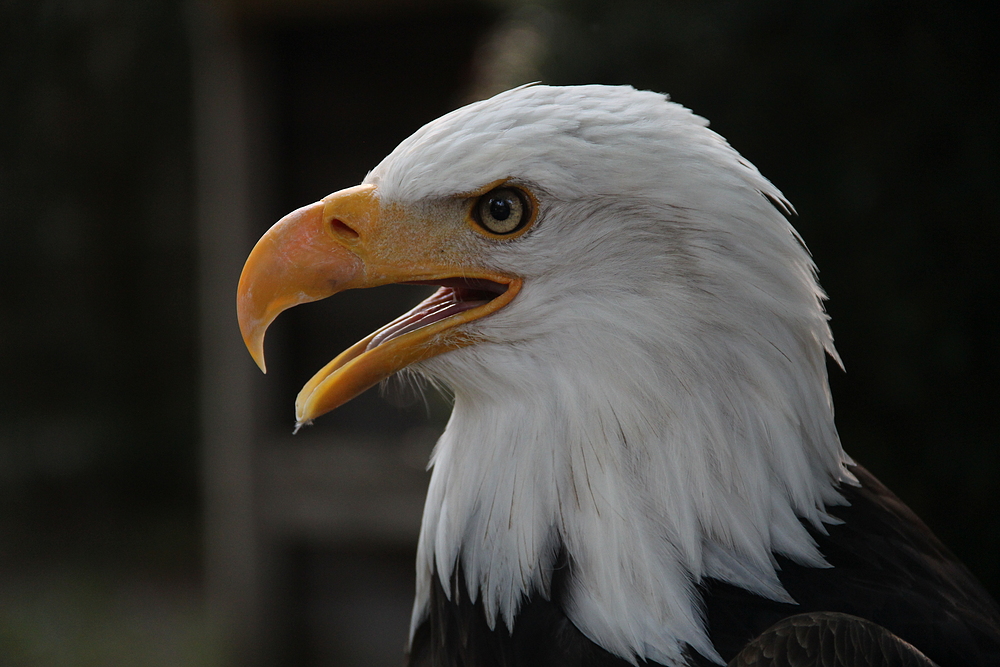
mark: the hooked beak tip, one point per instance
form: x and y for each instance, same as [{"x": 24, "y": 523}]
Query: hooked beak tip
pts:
[
  {"x": 252, "y": 328},
  {"x": 258, "y": 357}
]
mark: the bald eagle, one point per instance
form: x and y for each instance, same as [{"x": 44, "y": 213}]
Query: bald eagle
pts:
[{"x": 641, "y": 466}]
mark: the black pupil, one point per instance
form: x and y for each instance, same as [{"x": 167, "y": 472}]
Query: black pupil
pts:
[{"x": 500, "y": 208}]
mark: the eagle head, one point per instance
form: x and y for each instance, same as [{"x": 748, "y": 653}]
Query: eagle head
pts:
[{"x": 635, "y": 340}]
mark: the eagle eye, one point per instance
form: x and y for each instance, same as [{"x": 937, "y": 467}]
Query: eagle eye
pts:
[{"x": 503, "y": 210}]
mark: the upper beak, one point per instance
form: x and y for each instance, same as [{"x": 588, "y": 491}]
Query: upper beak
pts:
[
  {"x": 349, "y": 240},
  {"x": 301, "y": 258}
]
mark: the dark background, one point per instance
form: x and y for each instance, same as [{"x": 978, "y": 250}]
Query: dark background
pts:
[{"x": 878, "y": 120}]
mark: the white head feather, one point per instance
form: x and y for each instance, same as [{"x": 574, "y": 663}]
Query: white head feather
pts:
[{"x": 655, "y": 400}]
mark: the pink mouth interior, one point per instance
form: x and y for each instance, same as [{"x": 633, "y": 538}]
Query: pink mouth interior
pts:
[{"x": 455, "y": 295}]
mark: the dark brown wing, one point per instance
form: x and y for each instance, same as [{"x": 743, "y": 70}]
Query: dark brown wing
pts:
[
  {"x": 828, "y": 639},
  {"x": 889, "y": 569}
]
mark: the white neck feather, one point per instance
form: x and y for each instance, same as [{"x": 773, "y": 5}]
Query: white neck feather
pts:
[
  {"x": 654, "y": 401},
  {"x": 655, "y": 447}
]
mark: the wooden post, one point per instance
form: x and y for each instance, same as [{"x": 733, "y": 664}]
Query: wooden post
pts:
[{"x": 232, "y": 566}]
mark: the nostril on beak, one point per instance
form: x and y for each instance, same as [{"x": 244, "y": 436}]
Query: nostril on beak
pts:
[{"x": 341, "y": 229}]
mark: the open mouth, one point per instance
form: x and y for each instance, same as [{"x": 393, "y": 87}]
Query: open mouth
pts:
[
  {"x": 454, "y": 296},
  {"x": 431, "y": 328}
]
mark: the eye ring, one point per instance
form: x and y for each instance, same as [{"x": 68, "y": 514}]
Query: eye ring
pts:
[{"x": 503, "y": 211}]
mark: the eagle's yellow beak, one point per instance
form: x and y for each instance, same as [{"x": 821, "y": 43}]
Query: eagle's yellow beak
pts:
[{"x": 350, "y": 240}]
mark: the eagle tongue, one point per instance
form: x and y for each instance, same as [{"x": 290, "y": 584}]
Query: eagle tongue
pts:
[{"x": 444, "y": 303}]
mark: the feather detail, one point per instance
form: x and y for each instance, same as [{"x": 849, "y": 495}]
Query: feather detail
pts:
[{"x": 655, "y": 399}]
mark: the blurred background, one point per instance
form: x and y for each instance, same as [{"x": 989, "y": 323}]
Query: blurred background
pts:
[{"x": 154, "y": 506}]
